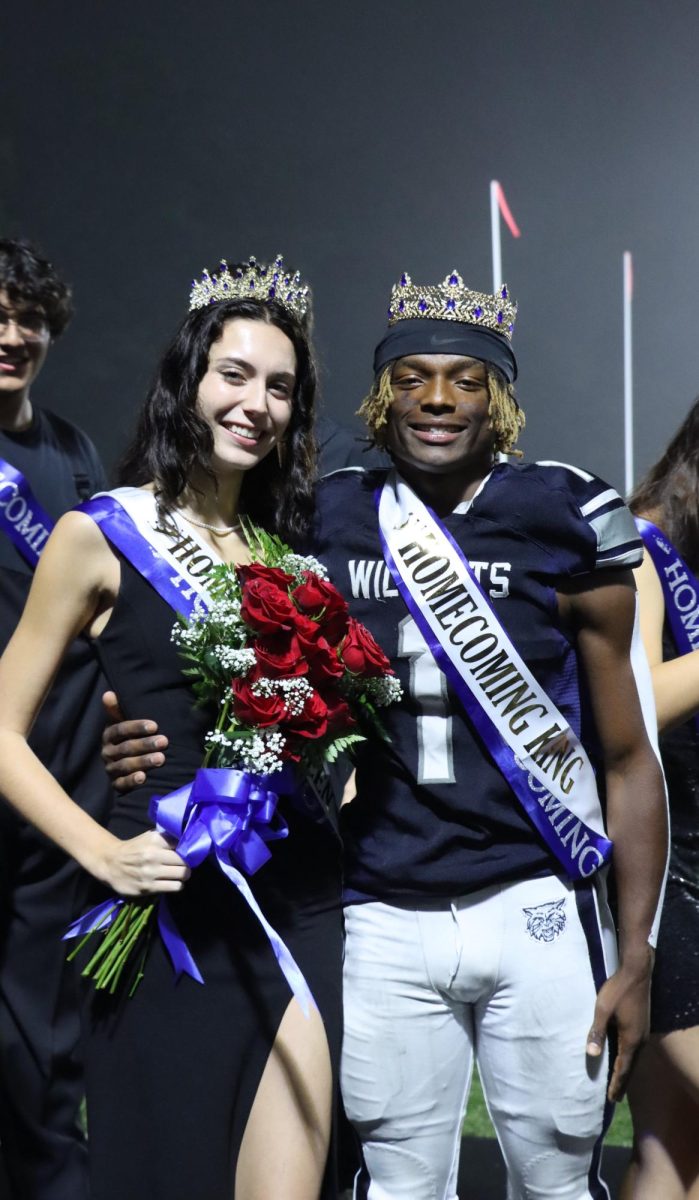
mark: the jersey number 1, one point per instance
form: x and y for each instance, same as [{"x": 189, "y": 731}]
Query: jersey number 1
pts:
[{"x": 428, "y": 688}]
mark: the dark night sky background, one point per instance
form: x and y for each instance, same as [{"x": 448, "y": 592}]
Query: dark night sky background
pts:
[{"x": 142, "y": 141}]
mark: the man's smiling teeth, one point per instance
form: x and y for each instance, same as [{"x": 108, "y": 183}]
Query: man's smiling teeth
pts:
[{"x": 438, "y": 428}]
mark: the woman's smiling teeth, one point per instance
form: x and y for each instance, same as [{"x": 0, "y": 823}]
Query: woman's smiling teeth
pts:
[{"x": 243, "y": 431}]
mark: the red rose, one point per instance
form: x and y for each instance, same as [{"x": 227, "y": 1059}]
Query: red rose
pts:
[
  {"x": 361, "y": 654},
  {"x": 308, "y": 631},
  {"x": 322, "y": 659},
  {"x": 280, "y": 655},
  {"x": 256, "y": 710},
  {"x": 320, "y": 599},
  {"x": 265, "y": 607},
  {"x": 323, "y": 663},
  {"x": 312, "y": 722},
  {"x": 248, "y": 571},
  {"x": 340, "y": 718}
]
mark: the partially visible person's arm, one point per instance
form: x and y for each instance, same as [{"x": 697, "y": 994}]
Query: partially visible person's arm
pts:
[
  {"x": 129, "y": 748},
  {"x": 349, "y": 791},
  {"x": 603, "y": 611},
  {"x": 676, "y": 682},
  {"x": 72, "y": 589}
]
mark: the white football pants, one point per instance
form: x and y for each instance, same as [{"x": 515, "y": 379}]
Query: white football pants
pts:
[{"x": 509, "y": 975}]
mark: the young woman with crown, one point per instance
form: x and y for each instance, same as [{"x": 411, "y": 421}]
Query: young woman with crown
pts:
[{"x": 224, "y": 1087}]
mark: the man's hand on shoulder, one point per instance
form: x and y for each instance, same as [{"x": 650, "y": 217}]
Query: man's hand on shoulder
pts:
[{"x": 129, "y": 748}]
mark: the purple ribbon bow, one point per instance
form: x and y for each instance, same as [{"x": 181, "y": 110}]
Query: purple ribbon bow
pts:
[
  {"x": 224, "y": 811},
  {"x": 228, "y": 814}
]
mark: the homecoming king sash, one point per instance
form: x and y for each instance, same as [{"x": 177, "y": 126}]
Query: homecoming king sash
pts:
[
  {"x": 224, "y": 813},
  {"x": 680, "y": 589},
  {"x": 530, "y": 741},
  {"x": 21, "y": 516}
]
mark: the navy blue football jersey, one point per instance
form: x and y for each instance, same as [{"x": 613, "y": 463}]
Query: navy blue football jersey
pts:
[{"x": 433, "y": 815}]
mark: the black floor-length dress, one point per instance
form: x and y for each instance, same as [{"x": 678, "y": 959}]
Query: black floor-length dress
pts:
[
  {"x": 173, "y": 1070},
  {"x": 675, "y": 985}
]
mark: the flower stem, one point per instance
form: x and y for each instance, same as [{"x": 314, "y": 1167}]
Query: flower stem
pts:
[
  {"x": 221, "y": 721},
  {"x": 107, "y": 963},
  {"x": 112, "y": 967},
  {"x": 142, "y": 962},
  {"x": 111, "y": 936},
  {"x": 84, "y": 940}
]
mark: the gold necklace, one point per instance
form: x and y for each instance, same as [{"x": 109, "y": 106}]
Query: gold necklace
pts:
[{"x": 221, "y": 531}]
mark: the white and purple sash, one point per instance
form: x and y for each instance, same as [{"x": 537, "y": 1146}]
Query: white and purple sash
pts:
[
  {"x": 680, "y": 589},
  {"x": 530, "y": 741},
  {"x": 22, "y": 518},
  {"x": 225, "y": 814},
  {"x": 174, "y": 560}
]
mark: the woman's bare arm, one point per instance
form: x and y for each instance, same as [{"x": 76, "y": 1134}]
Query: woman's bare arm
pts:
[
  {"x": 73, "y": 588},
  {"x": 676, "y": 682}
]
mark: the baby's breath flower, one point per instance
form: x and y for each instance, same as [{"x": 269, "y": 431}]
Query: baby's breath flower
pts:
[
  {"x": 295, "y": 692},
  {"x": 237, "y": 661},
  {"x": 215, "y": 737},
  {"x": 384, "y": 690},
  {"x": 298, "y": 564},
  {"x": 263, "y": 753}
]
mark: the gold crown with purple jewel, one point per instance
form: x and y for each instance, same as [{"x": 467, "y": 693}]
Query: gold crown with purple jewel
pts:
[
  {"x": 452, "y": 301},
  {"x": 253, "y": 281}
]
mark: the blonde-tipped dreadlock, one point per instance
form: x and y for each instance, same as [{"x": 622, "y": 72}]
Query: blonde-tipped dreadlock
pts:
[
  {"x": 374, "y": 407},
  {"x": 506, "y": 417}
]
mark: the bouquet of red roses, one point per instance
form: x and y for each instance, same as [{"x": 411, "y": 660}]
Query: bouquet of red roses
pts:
[
  {"x": 294, "y": 676},
  {"x": 294, "y": 680}
]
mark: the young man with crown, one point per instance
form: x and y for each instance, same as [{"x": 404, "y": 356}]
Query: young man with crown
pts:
[
  {"x": 47, "y": 465},
  {"x": 478, "y": 841},
  {"x": 476, "y": 851}
]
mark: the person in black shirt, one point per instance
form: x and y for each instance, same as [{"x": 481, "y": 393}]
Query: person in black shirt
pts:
[
  {"x": 664, "y": 1091},
  {"x": 42, "y": 1144},
  {"x": 340, "y": 447}
]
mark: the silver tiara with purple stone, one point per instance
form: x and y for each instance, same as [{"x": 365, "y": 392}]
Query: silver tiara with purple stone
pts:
[
  {"x": 453, "y": 301},
  {"x": 254, "y": 281}
]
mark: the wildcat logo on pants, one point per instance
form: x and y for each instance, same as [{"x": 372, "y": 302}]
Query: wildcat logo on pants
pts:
[{"x": 546, "y": 921}]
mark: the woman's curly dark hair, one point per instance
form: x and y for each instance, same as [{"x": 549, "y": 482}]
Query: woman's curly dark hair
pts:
[
  {"x": 670, "y": 489},
  {"x": 31, "y": 282},
  {"x": 171, "y": 437}
]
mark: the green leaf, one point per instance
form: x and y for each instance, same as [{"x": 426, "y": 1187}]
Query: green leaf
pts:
[{"x": 341, "y": 745}]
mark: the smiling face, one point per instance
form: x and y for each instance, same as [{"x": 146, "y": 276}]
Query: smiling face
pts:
[
  {"x": 24, "y": 343},
  {"x": 439, "y": 422},
  {"x": 247, "y": 392}
]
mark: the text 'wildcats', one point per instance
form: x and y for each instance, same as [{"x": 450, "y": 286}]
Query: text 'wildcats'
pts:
[{"x": 372, "y": 578}]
